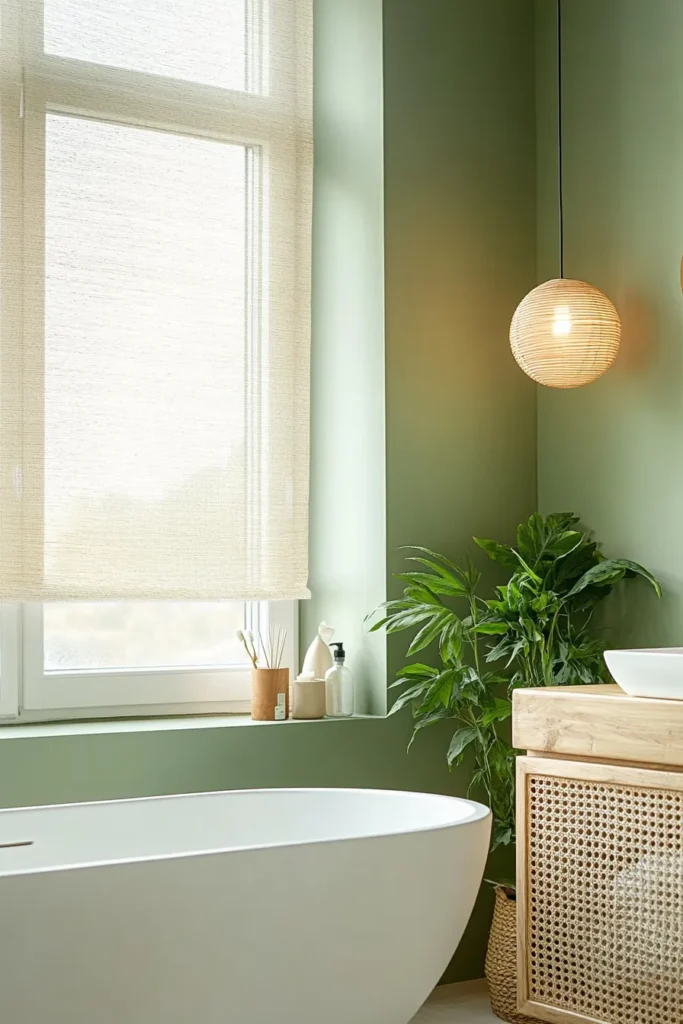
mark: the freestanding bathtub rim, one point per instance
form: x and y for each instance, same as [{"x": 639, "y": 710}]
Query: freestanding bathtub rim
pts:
[{"x": 475, "y": 812}]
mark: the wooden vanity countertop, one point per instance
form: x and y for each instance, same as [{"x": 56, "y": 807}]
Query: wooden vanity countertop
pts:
[{"x": 598, "y": 723}]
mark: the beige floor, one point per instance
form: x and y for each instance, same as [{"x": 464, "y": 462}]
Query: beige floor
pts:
[{"x": 459, "y": 1004}]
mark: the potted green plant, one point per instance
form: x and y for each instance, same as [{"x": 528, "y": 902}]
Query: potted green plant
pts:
[{"x": 537, "y": 629}]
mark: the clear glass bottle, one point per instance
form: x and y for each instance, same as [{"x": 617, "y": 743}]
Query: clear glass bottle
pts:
[{"x": 339, "y": 686}]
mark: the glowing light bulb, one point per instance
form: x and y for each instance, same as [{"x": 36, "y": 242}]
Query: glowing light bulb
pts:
[{"x": 562, "y": 322}]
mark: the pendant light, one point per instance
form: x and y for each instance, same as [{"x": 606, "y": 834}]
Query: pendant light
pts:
[{"x": 564, "y": 333}]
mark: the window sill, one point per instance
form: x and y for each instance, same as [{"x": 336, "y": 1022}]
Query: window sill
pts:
[{"x": 35, "y": 730}]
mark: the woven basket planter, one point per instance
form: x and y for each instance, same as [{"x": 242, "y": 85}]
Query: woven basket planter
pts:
[{"x": 501, "y": 961}]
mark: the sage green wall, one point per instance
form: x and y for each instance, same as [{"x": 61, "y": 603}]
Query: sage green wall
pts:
[
  {"x": 348, "y": 462},
  {"x": 612, "y": 451},
  {"x": 460, "y": 252},
  {"x": 460, "y": 451},
  {"x": 459, "y": 174}
]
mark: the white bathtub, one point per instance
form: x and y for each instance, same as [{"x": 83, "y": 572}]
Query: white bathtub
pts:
[{"x": 254, "y": 907}]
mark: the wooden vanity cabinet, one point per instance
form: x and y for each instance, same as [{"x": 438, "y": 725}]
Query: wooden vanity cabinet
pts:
[{"x": 599, "y": 856}]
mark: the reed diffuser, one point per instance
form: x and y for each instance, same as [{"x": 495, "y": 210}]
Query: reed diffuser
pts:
[{"x": 269, "y": 680}]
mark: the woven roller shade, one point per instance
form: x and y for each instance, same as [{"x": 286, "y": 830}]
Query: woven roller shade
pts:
[{"x": 155, "y": 377}]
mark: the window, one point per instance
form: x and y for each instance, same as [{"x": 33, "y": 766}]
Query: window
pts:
[
  {"x": 114, "y": 657},
  {"x": 97, "y": 659},
  {"x": 155, "y": 217}
]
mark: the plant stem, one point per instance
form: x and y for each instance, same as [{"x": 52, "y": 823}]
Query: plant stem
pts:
[{"x": 475, "y": 642}]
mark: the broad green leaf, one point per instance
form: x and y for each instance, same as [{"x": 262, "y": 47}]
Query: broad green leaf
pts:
[
  {"x": 439, "y": 570},
  {"x": 401, "y": 681},
  {"x": 540, "y": 603},
  {"x": 434, "y": 554},
  {"x": 561, "y": 520},
  {"x": 439, "y": 693},
  {"x": 517, "y": 648},
  {"x": 531, "y": 536},
  {"x": 491, "y": 628},
  {"x": 395, "y": 618},
  {"x": 470, "y": 675},
  {"x": 417, "y": 669},
  {"x": 542, "y": 539},
  {"x": 500, "y": 553},
  {"x": 417, "y": 606},
  {"x": 567, "y": 571},
  {"x": 530, "y": 629},
  {"x": 405, "y": 620},
  {"x": 428, "y": 633},
  {"x": 494, "y": 679},
  {"x": 610, "y": 570},
  {"x": 527, "y": 568},
  {"x": 450, "y": 642},
  {"x": 567, "y": 542},
  {"x": 501, "y": 710},
  {"x": 501, "y": 837},
  {"x": 390, "y": 608},
  {"x": 441, "y": 688},
  {"x": 410, "y": 677},
  {"x": 461, "y": 740},
  {"x": 417, "y": 593},
  {"x": 501, "y": 649},
  {"x": 406, "y": 698},
  {"x": 450, "y": 586},
  {"x": 439, "y": 715}
]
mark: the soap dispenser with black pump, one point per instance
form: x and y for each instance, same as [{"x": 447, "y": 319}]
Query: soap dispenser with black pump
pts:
[{"x": 339, "y": 686}]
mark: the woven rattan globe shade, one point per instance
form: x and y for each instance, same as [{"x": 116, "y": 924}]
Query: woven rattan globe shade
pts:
[{"x": 565, "y": 334}]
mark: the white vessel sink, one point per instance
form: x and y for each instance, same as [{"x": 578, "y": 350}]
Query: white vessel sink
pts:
[{"x": 649, "y": 672}]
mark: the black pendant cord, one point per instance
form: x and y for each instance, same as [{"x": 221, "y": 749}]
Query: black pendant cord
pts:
[{"x": 560, "y": 169}]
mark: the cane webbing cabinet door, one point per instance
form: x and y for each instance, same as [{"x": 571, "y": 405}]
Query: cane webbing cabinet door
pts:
[{"x": 600, "y": 892}]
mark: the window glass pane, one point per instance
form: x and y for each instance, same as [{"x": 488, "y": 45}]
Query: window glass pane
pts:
[
  {"x": 144, "y": 348},
  {"x": 141, "y": 634},
  {"x": 195, "y": 40}
]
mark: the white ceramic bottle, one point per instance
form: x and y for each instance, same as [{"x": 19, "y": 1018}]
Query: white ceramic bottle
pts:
[
  {"x": 339, "y": 686},
  {"x": 318, "y": 656}
]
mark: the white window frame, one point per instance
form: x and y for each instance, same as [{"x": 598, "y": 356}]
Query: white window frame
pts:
[
  {"x": 30, "y": 694},
  {"x": 10, "y": 657},
  {"x": 33, "y": 84}
]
